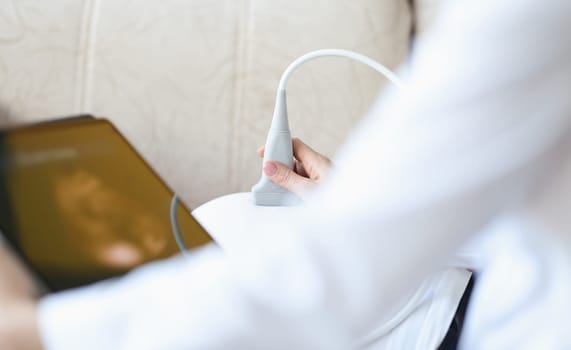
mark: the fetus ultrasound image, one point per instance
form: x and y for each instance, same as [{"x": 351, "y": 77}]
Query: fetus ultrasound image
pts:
[{"x": 79, "y": 205}]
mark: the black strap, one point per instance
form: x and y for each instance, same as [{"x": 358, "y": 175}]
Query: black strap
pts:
[{"x": 450, "y": 341}]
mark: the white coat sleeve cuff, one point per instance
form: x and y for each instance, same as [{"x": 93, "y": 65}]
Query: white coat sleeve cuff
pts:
[
  {"x": 97, "y": 316},
  {"x": 73, "y": 320}
]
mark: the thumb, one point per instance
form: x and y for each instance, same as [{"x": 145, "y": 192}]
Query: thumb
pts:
[{"x": 287, "y": 178}]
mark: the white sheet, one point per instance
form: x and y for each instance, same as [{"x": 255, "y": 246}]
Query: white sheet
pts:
[{"x": 421, "y": 323}]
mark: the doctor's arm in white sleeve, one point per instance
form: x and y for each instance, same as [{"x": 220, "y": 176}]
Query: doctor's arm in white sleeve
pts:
[{"x": 487, "y": 103}]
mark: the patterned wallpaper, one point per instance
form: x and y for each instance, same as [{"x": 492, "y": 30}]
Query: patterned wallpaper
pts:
[{"x": 192, "y": 83}]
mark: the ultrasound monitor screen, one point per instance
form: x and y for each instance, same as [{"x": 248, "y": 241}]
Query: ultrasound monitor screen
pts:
[{"x": 79, "y": 205}]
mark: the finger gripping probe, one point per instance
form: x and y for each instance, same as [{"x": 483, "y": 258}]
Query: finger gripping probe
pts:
[{"x": 278, "y": 142}]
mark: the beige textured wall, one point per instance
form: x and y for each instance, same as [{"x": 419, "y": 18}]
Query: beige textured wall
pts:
[
  {"x": 425, "y": 13},
  {"x": 191, "y": 83}
]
